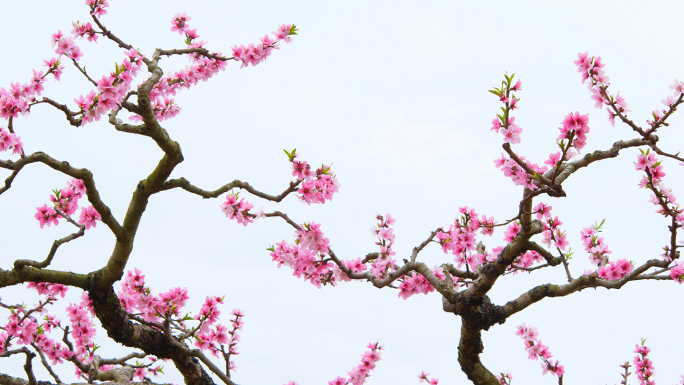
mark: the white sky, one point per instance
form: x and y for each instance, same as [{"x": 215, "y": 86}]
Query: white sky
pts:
[{"x": 394, "y": 94}]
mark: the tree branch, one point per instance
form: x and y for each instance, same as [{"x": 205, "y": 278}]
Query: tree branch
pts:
[
  {"x": 587, "y": 281},
  {"x": 70, "y": 115},
  {"x": 187, "y": 186},
  {"x": 79, "y": 173}
]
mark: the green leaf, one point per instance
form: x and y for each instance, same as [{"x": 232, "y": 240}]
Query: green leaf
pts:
[
  {"x": 290, "y": 155},
  {"x": 293, "y": 30}
]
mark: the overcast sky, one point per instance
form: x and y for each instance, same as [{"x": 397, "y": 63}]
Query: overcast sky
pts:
[{"x": 394, "y": 95}]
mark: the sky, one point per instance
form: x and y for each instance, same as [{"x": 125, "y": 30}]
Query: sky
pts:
[{"x": 394, "y": 95}]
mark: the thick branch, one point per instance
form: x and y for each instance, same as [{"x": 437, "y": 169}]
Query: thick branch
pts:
[
  {"x": 588, "y": 159},
  {"x": 469, "y": 349},
  {"x": 548, "y": 290},
  {"x": 9, "y": 380},
  {"x": 150, "y": 340},
  {"x": 31, "y": 274}
]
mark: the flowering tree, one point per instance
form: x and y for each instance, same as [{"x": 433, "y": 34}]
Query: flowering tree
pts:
[{"x": 159, "y": 328}]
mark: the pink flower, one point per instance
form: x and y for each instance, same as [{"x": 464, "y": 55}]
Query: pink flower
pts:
[
  {"x": 46, "y": 216},
  {"x": 677, "y": 272},
  {"x": 670, "y": 100},
  {"x": 179, "y": 22},
  {"x": 511, "y": 231},
  {"x": 553, "y": 159},
  {"x": 678, "y": 87},
  {"x": 496, "y": 124},
  {"x": 89, "y": 217},
  {"x": 511, "y": 134},
  {"x": 97, "y": 7},
  {"x": 561, "y": 242},
  {"x": 542, "y": 210}
]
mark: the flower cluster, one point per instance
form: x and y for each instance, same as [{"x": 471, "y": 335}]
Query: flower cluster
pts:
[
  {"x": 358, "y": 375},
  {"x": 671, "y": 101},
  {"x": 49, "y": 289},
  {"x": 255, "y": 54},
  {"x": 309, "y": 260},
  {"x": 430, "y": 381},
  {"x": 594, "y": 245},
  {"x": 535, "y": 349},
  {"x": 65, "y": 45},
  {"x": 384, "y": 265},
  {"x": 65, "y": 204},
  {"x": 179, "y": 24},
  {"x": 238, "y": 210},
  {"x": 592, "y": 70},
  {"x": 9, "y": 141},
  {"x": 23, "y": 326},
  {"x": 416, "y": 283},
  {"x": 653, "y": 179},
  {"x": 97, "y": 7},
  {"x": 111, "y": 88},
  {"x": 203, "y": 67},
  {"x": 615, "y": 270},
  {"x": 137, "y": 299},
  {"x": 574, "y": 130},
  {"x": 517, "y": 173},
  {"x": 598, "y": 251},
  {"x": 84, "y": 30},
  {"x": 311, "y": 237},
  {"x": 80, "y": 316},
  {"x": 461, "y": 239},
  {"x": 525, "y": 260},
  {"x": 316, "y": 187},
  {"x": 17, "y": 99},
  {"x": 321, "y": 188},
  {"x": 231, "y": 339},
  {"x": 643, "y": 365},
  {"x": 306, "y": 264},
  {"x": 217, "y": 337},
  {"x": 506, "y": 123},
  {"x": 552, "y": 233}
]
